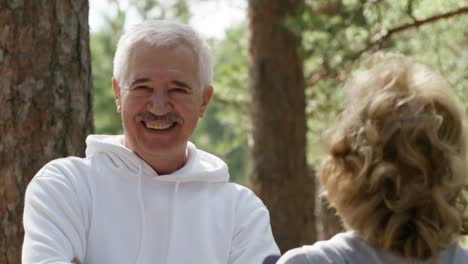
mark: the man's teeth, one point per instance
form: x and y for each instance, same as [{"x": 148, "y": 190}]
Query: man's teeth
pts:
[{"x": 158, "y": 125}]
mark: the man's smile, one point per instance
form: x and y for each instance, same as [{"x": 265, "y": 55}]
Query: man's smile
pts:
[{"x": 159, "y": 124}]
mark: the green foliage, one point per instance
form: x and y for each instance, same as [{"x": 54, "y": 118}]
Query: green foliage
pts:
[
  {"x": 106, "y": 118},
  {"x": 442, "y": 45},
  {"x": 167, "y": 9},
  {"x": 224, "y": 129}
]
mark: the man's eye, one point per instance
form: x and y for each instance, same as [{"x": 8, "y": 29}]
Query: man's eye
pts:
[
  {"x": 142, "y": 88},
  {"x": 141, "y": 91},
  {"x": 179, "y": 90}
]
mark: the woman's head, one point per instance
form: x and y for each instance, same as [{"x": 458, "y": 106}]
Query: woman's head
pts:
[{"x": 396, "y": 166}]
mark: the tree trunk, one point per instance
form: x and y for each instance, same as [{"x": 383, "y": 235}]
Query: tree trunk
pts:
[
  {"x": 45, "y": 98},
  {"x": 278, "y": 143}
]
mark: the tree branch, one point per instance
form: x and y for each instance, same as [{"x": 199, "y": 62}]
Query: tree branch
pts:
[
  {"x": 417, "y": 23},
  {"x": 380, "y": 38}
]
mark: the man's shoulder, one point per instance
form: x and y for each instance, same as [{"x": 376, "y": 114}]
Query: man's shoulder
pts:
[
  {"x": 294, "y": 256},
  {"x": 245, "y": 201},
  {"x": 64, "y": 165},
  {"x": 239, "y": 188},
  {"x": 74, "y": 163},
  {"x": 59, "y": 178},
  {"x": 242, "y": 192},
  {"x": 68, "y": 170},
  {"x": 68, "y": 161}
]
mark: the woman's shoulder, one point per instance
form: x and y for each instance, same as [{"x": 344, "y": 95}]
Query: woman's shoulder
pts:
[
  {"x": 294, "y": 256},
  {"x": 327, "y": 251},
  {"x": 347, "y": 247},
  {"x": 454, "y": 254}
]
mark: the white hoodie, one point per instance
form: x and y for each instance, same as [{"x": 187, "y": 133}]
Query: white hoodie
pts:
[{"x": 111, "y": 207}]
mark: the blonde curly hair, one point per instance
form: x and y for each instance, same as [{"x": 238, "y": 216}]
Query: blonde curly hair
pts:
[{"x": 395, "y": 168}]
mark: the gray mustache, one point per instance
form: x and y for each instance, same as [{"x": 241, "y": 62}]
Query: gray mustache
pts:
[{"x": 152, "y": 117}]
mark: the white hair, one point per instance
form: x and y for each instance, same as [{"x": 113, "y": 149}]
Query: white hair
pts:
[{"x": 163, "y": 33}]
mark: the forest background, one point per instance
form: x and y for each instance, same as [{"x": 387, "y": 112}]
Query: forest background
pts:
[{"x": 267, "y": 127}]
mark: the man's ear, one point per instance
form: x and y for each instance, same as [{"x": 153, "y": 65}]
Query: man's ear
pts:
[
  {"x": 116, "y": 88},
  {"x": 207, "y": 93}
]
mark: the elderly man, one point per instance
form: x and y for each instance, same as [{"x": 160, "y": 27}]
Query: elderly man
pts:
[{"x": 148, "y": 196}]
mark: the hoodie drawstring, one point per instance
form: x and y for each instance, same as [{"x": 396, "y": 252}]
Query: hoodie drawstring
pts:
[
  {"x": 142, "y": 214},
  {"x": 171, "y": 220},
  {"x": 141, "y": 204}
]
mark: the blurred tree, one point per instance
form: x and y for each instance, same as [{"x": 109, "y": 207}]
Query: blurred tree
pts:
[
  {"x": 45, "y": 96},
  {"x": 276, "y": 82},
  {"x": 223, "y": 130}
]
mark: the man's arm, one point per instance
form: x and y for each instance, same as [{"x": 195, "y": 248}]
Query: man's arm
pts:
[
  {"x": 53, "y": 219},
  {"x": 253, "y": 240}
]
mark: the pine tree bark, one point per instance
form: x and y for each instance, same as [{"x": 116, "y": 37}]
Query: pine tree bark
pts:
[
  {"x": 278, "y": 143},
  {"x": 45, "y": 99}
]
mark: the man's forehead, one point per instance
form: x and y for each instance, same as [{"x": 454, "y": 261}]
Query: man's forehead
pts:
[
  {"x": 158, "y": 74},
  {"x": 156, "y": 62},
  {"x": 168, "y": 59},
  {"x": 145, "y": 46},
  {"x": 143, "y": 80},
  {"x": 155, "y": 72}
]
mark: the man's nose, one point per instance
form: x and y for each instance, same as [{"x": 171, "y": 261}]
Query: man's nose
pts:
[{"x": 159, "y": 103}]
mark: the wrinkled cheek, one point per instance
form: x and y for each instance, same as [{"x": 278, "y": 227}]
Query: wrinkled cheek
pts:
[
  {"x": 131, "y": 108},
  {"x": 129, "y": 121},
  {"x": 192, "y": 123}
]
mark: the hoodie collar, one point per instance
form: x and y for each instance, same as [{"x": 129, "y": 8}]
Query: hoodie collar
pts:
[{"x": 200, "y": 165}]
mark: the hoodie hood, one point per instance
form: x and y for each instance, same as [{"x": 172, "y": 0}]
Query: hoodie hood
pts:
[{"x": 200, "y": 165}]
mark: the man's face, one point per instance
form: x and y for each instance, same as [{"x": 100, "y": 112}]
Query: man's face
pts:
[{"x": 161, "y": 100}]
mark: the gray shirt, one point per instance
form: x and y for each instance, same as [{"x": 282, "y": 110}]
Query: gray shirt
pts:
[{"x": 350, "y": 249}]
